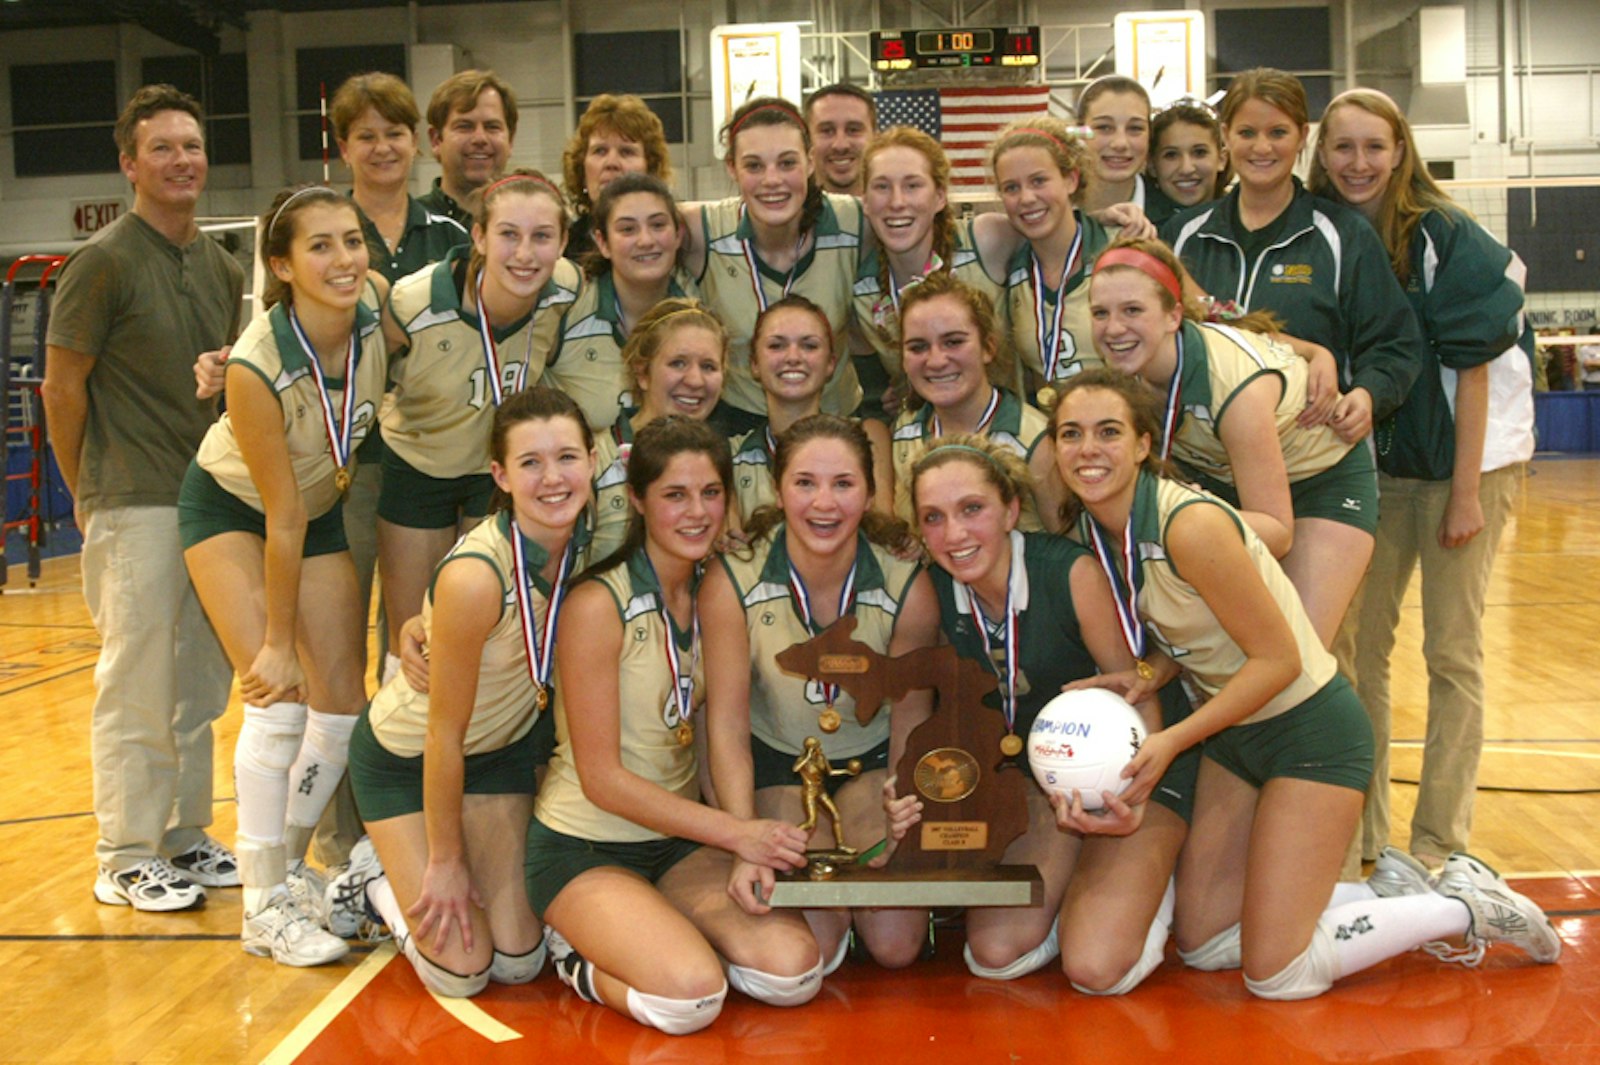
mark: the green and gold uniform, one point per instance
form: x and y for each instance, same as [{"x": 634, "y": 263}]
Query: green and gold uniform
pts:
[
  {"x": 1026, "y": 313},
  {"x": 784, "y": 708},
  {"x": 1017, "y": 425},
  {"x": 1315, "y": 728},
  {"x": 269, "y": 348},
  {"x": 611, "y": 510},
  {"x": 1322, "y": 269},
  {"x": 877, "y": 311},
  {"x": 1051, "y": 648},
  {"x": 586, "y": 363},
  {"x": 753, "y": 484},
  {"x": 825, "y": 275},
  {"x": 648, "y": 713}
]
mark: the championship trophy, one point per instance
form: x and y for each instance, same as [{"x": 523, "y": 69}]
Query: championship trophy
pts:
[{"x": 974, "y": 796}]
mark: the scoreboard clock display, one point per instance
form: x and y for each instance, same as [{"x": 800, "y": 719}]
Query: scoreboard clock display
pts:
[{"x": 990, "y": 46}]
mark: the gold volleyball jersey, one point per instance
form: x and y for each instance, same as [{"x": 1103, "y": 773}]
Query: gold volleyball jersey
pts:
[
  {"x": 753, "y": 485},
  {"x": 825, "y": 275},
  {"x": 443, "y": 407},
  {"x": 1181, "y": 623},
  {"x": 784, "y": 708},
  {"x": 1024, "y": 311},
  {"x": 648, "y": 715},
  {"x": 503, "y": 709},
  {"x": 876, "y": 313},
  {"x": 269, "y": 347},
  {"x": 587, "y": 361},
  {"x": 1016, "y": 424},
  {"x": 611, "y": 509},
  {"x": 1219, "y": 361}
]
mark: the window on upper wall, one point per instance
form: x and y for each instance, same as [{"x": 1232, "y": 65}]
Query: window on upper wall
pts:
[
  {"x": 648, "y": 64},
  {"x": 222, "y": 86},
  {"x": 1288, "y": 38},
  {"x": 64, "y": 116},
  {"x": 319, "y": 70}
]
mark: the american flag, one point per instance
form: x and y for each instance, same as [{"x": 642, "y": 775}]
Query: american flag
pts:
[{"x": 965, "y": 119}]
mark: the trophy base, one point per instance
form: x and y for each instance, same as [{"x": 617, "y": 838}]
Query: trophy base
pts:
[{"x": 853, "y": 885}]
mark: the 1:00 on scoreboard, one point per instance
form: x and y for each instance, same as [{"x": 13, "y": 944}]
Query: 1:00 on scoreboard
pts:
[{"x": 987, "y": 46}]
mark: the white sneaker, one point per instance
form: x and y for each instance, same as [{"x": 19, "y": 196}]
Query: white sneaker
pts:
[
  {"x": 209, "y": 864},
  {"x": 1397, "y": 874},
  {"x": 306, "y": 885},
  {"x": 1499, "y": 914},
  {"x": 344, "y": 900},
  {"x": 573, "y": 969},
  {"x": 287, "y": 931},
  {"x": 153, "y": 886}
]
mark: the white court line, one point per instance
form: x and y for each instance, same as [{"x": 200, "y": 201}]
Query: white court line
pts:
[
  {"x": 472, "y": 1015},
  {"x": 322, "y": 1015}
]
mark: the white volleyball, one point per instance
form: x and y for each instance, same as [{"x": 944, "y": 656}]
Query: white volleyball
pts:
[{"x": 1082, "y": 740}]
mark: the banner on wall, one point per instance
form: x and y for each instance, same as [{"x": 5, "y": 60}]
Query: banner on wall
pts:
[
  {"x": 753, "y": 59},
  {"x": 1165, "y": 51}
]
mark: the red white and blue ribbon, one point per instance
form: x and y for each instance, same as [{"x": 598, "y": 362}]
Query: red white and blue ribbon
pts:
[
  {"x": 802, "y": 602},
  {"x": 982, "y": 428},
  {"x": 1013, "y": 649},
  {"x": 755, "y": 267},
  {"x": 1048, "y": 330},
  {"x": 491, "y": 352},
  {"x": 1124, "y": 587},
  {"x": 1169, "y": 420},
  {"x": 539, "y": 642},
  {"x": 338, "y": 427}
]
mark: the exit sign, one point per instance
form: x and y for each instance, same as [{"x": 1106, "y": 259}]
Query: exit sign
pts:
[{"x": 89, "y": 216}]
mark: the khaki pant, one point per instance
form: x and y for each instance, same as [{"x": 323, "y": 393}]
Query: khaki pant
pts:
[
  {"x": 1453, "y": 585},
  {"x": 161, "y": 680}
]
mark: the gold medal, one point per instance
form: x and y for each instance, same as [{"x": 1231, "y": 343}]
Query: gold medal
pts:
[
  {"x": 341, "y": 479},
  {"x": 829, "y": 720},
  {"x": 1145, "y": 670},
  {"x": 541, "y": 697},
  {"x": 1011, "y": 745},
  {"x": 1046, "y": 397},
  {"x": 685, "y": 734}
]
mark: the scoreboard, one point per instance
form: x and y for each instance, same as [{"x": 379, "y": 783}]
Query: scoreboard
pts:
[{"x": 990, "y": 46}]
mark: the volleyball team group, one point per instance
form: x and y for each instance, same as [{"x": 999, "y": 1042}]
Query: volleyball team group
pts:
[{"x": 1146, "y": 429}]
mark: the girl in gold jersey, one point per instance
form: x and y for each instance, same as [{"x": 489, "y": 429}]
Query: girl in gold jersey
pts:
[
  {"x": 1290, "y": 482},
  {"x": 466, "y": 334},
  {"x": 265, "y": 546},
  {"x": 444, "y": 779},
  {"x": 625, "y": 864},
  {"x": 1288, "y": 748}
]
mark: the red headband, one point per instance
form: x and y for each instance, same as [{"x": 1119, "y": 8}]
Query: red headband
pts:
[
  {"x": 1039, "y": 133},
  {"x": 781, "y": 108},
  {"x": 1146, "y": 264}
]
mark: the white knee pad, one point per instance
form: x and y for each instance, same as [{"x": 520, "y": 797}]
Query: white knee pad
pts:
[
  {"x": 269, "y": 739},
  {"x": 1219, "y": 952},
  {"x": 1307, "y": 976},
  {"x": 777, "y": 990},
  {"x": 443, "y": 982},
  {"x": 1150, "y": 958},
  {"x": 517, "y": 968},
  {"x": 839, "y": 953},
  {"x": 1035, "y": 959},
  {"x": 675, "y": 1016}
]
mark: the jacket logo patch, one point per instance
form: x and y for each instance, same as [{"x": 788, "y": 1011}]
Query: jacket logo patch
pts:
[{"x": 1291, "y": 274}]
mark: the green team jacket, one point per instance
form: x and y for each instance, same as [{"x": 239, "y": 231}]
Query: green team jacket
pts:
[{"x": 1327, "y": 277}]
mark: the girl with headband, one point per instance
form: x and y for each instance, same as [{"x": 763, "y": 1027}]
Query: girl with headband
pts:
[
  {"x": 466, "y": 333},
  {"x": 675, "y": 359},
  {"x": 1187, "y": 158},
  {"x": 1287, "y": 747},
  {"x": 626, "y": 866},
  {"x": 792, "y": 357},
  {"x": 1233, "y": 395},
  {"x": 443, "y": 778},
  {"x": 781, "y": 234},
  {"x": 1116, "y": 110},
  {"x": 1448, "y": 458},
  {"x": 264, "y": 542},
  {"x": 821, "y": 554},
  {"x": 960, "y": 376},
  {"x": 1036, "y": 610},
  {"x": 637, "y": 235},
  {"x": 907, "y": 203}
]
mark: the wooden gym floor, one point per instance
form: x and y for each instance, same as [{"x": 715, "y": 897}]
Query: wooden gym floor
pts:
[{"x": 85, "y": 982}]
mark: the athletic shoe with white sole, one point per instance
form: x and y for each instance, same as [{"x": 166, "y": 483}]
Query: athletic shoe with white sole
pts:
[
  {"x": 287, "y": 930},
  {"x": 1499, "y": 914},
  {"x": 344, "y": 902},
  {"x": 209, "y": 864},
  {"x": 1398, "y": 874},
  {"x": 573, "y": 968},
  {"x": 153, "y": 886}
]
